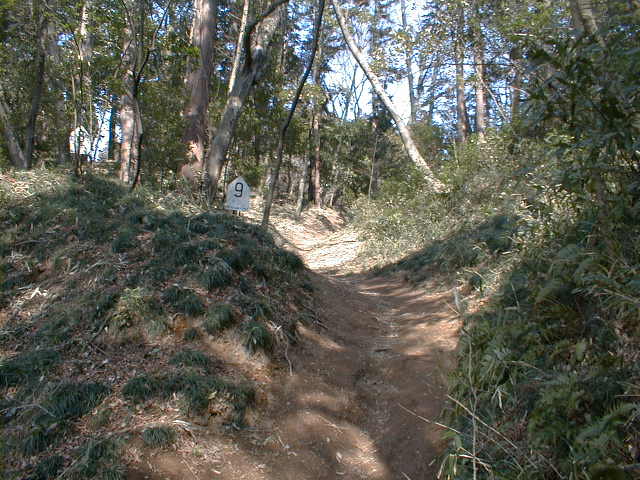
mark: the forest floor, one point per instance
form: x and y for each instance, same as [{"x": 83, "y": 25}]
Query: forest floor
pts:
[{"x": 361, "y": 387}]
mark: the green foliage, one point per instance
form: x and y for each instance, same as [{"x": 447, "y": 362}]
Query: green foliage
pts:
[
  {"x": 192, "y": 334},
  {"x": 192, "y": 358},
  {"x": 219, "y": 317},
  {"x": 289, "y": 260},
  {"x": 217, "y": 274},
  {"x": 257, "y": 337},
  {"x": 49, "y": 468},
  {"x": 159, "y": 437},
  {"x": 196, "y": 390},
  {"x": 137, "y": 308},
  {"x": 24, "y": 367},
  {"x": 98, "y": 459},
  {"x": 183, "y": 300}
]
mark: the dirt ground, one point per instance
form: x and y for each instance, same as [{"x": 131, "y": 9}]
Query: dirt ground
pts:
[{"x": 361, "y": 386}]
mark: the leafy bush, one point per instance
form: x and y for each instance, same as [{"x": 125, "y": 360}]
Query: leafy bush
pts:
[
  {"x": 257, "y": 337},
  {"x": 183, "y": 300}
]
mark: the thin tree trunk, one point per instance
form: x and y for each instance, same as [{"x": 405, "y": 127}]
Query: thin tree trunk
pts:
[
  {"x": 405, "y": 134},
  {"x": 478, "y": 60},
  {"x": 372, "y": 177},
  {"x": 111, "y": 142},
  {"x": 238, "y": 52},
  {"x": 462, "y": 120},
  {"x": 413, "y": 103},
  {"x": 317, "y": 157},
  {"x": 16, "y": 155},
  {"x": 283, "y": 131},
  {"x": 199, "y": 80},
  {"x": 304, "y": 179},
  {"x": 255, "y": 61},
  {"x": 516, "y": 83}
]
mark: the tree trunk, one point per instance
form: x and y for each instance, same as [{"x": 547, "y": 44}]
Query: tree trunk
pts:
[
  {"x": 516, "y": 83},
  {"x": 462, "y": 120},
  {"x": 405, "y": 134},
  {"x": 238, "y": 52},
  {"x": 111, "y": 142},
  {"x": 408, "y": 52},
  {"x": 304, "y": 180},
  {"x": 255, "y": 61},
  {"x": 585, "y": 19},
  {"x": 57, "y": 86},
  {"x": 130, "y": 118},
  {"x": 38, "y": 85},
  {"x": 478, "y": 60},
  {"x": 317, "y": 157},
  {"x": 198, "y": 81},
  {"x": 275, "y": 174},
  {"x": 16, "y": 155}
]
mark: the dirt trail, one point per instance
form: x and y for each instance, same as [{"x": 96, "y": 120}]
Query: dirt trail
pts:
[{"x": 362, "y": 375}]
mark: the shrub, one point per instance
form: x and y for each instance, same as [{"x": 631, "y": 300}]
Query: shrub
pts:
[
  {"x": 192, "y": 358},
  {"x": 219, "y": 317},
  {"x": 256, "y": 336},
  {"x": 23, "y": 367},
  {"x": 183, "y": 300},
  {"x": 217, "y": 274},
  {"x": 159, "y": 437}
]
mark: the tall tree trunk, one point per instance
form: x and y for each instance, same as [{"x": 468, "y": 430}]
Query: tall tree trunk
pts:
[
  {"x": 275, "y": 174},
  {"x": 130, "y": 118},
  {"x": 462, "y": 120},
  {"x": 405, "y": 134},
  {"x": 478, "y": 60},
  {"x": 516, "y": 83},
  {"x": 238, "y": 52},
  {"x": 199, "y": 80},
  {"x": 317, "y": 105},
  {"x": 38, "y": 84},
  {"x": 16, "y": 155},
  {"x": 413, "y": 103},
  {"x": 255, "y": 61},
  {"x": 111, "y": 142},
  {"x": 304, "y": 178},
  {"x": 57, "y": 86}
]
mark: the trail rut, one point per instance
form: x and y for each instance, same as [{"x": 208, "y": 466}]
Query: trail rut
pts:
[{"x": 363, "y": 378}]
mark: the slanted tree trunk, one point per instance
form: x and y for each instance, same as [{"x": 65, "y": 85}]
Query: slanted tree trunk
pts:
[
  {"x": 585, "y": 19},
  {"x": 16, "y": 155},
  {"x": 275, "y": 174},
  {"x": 198, "y": 83},
  {"x": 413, "y": 103},
  {"x": 462, "y": 120},
  {"x": 255, "y": 62},
  {"x": 238, "y": 52},
  {"x": 405, "y": 134}
]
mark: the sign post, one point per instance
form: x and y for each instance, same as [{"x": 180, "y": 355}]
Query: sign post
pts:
[{"x": 238, "y": 195}]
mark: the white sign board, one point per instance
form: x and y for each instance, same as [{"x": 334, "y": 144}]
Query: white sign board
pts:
[
  {"x": 238, "y": 193},
  {"x": 80, "y": 141}
]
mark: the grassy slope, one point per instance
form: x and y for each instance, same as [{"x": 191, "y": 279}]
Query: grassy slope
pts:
[
  {"x": 548, "y": 379},
  {"x": 108, "y": 301}
]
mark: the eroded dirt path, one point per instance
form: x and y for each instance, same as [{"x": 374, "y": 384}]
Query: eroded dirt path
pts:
[
  {"x": 360, "y": 383},
  {"x": 364, "y": 375}
]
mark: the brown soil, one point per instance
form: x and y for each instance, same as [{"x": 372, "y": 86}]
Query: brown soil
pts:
[{"x": 361, "y": 386}]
